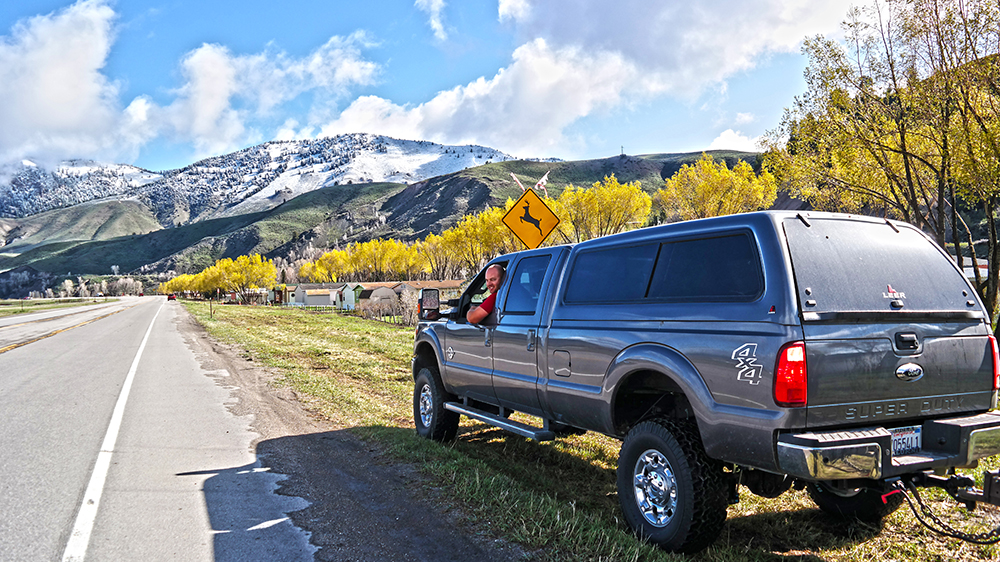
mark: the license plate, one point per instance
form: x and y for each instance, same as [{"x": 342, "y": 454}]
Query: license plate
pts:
[{"x": 905, "y": 440}]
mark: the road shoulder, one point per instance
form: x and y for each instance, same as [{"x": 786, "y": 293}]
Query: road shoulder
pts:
[{"x": 362, "y": 505}]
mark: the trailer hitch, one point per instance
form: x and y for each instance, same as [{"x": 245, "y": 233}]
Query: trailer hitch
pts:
[
  {"x": 962, "y": 489},
  {"x": 989, "y": 494}
]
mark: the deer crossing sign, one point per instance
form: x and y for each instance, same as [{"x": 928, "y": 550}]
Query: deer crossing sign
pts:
[{"x": 530, "y": 219}]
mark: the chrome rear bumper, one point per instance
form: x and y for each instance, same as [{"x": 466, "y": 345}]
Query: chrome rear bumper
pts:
[{"x": 867, "y": 452}]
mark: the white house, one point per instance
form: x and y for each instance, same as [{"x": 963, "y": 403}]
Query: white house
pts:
[
  {"x": 322, "y": 294},
  {"x": 346, "y": 298}
]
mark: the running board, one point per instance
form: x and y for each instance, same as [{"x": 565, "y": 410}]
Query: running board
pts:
[{"x": 522, "y": 429}]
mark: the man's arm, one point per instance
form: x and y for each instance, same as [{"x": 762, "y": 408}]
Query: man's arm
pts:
[
  {"x": 476, "y": 315},
  {"x": 479, "y": 313}
]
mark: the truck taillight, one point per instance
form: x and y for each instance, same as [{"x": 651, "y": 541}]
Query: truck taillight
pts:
[
  {"x": 790, "y": 376},
  {"x": 996, "y": 363}
]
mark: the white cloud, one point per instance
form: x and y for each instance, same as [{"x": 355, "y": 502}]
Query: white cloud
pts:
[
  {"x": 54, "y": 101},
  {"x": 203, "y": 112},
  {"x": 434, "y": 9},
  {"x": 734, "y": 140},
  {"x": 514, "y": 9},
  {"x": 224, "y": 92},
  {"x": 290, "y": 131},
  {"x": 524, "y": 108},
  {"x": 577, "y": 58},
  {"x": 580, "y": 57},
  {"x": 683, "y": 46}
]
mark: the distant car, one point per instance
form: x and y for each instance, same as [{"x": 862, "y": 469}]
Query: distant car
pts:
[{"x": 171, "y": 297}]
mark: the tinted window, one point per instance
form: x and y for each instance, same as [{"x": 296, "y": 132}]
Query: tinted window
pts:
[
  {"x": 850, "y": 266},
  {"x": 725, "y": 268},
  {"x": 611, "y": 275},
  {"x": 525, "y": 285}
]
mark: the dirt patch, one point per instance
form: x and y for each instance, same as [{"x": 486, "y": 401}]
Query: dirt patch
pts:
[{"x": 362, "y": 506}]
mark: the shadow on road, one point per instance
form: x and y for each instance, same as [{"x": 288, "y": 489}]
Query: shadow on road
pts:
[
  {"x": 354, "y": 506},
  {"x": 248, "y": 520}
]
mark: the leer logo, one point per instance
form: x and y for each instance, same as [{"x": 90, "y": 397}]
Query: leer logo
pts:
[{"x": 892, "y": 294}]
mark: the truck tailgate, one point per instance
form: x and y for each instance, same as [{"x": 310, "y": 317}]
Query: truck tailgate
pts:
[{"x": 859, "y": 375}]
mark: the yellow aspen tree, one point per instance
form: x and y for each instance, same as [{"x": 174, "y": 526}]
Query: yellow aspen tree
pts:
[
  {"x": 607, "y": 207},
  {"x": 709, "y": 189}
]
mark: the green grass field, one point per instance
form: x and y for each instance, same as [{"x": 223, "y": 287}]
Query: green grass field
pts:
[
  {"x": 10, "y": 307},
  {"x": 556, "y": 499}
]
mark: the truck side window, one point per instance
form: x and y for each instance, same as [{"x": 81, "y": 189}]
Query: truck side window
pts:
[
  {"x": 619, "y": 274},
  {"x": 526, "y": 284},
  {"x": 709, "y": 269}
]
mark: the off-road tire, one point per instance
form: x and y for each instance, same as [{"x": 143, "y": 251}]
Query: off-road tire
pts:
[
  {"x": 433, "y": 421},
  {"x": 664, "y": 450},
  {"x": 861, "y": 504}
]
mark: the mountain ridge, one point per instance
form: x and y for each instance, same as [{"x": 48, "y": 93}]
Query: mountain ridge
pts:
[
  {"x": 252, "y": 179},
  {"x": 293, "y": 204}
]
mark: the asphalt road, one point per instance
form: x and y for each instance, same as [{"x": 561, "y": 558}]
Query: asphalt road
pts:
[{"x": 128, "y": 435}]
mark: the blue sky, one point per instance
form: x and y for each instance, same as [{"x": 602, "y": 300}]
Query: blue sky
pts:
[{"x": 161, "y": 84}]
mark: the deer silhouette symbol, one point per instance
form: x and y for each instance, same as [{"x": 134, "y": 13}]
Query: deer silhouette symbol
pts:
[{"x": 528, "y": 218}]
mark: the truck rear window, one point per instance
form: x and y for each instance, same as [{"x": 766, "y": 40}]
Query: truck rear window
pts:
[{"x": 844, "y": 265}]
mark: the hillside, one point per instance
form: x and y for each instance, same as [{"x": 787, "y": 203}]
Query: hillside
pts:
[
  {"x": 93, "y": 220},
  {"x": 254, "y": 179},
  {"x": 195, "y": 246},
  {"x": 91, "y": 238},
  {"x": 436, "y": 204}
]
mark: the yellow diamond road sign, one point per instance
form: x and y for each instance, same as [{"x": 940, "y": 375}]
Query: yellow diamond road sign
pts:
[{"x": 530, "y": 219}]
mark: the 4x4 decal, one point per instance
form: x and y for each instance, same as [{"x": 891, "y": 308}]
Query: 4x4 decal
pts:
[{"x": 746, "y": 358}]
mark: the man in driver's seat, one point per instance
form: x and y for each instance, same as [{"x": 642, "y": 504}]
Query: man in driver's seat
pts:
[{"x": 494, "y": 278}]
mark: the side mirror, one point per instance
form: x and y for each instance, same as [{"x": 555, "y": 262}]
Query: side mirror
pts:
[{"x": 429, "y": 304}]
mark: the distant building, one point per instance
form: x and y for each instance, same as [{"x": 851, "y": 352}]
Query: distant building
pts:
[
  {"x": 337, "y": 295},
  {"x": 449, "y": 289}
]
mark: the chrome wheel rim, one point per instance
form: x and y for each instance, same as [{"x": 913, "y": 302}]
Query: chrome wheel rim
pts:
[
  {"x": 426, "y": 405},
  {"x": 655, "y": 488}
]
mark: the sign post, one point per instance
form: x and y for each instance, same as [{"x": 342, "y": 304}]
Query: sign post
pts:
[{"x": 530, "y": 219}]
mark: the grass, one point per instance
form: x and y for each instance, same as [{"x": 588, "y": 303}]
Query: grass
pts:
[
  {"x": 556, "y": 499},
  {"x": 10, "y": 307}
]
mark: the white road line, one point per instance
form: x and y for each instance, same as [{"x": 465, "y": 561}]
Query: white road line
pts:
[{"x": 79, "y": 539}]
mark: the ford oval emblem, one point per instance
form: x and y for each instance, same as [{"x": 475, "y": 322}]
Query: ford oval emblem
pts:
[{"x": 909, "y": 372}]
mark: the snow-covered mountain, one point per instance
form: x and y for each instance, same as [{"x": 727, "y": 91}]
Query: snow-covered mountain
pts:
[
  {"x": 252, "y": 179},
  {"x": 27, "y": 189}
]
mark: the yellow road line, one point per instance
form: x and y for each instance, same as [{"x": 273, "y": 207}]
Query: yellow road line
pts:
[{"x": 50, "y": 334}]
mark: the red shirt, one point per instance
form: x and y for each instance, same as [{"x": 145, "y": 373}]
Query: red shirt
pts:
[{"x": 489, "y": 303}]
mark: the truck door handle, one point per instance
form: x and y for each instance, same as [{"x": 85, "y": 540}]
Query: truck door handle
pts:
[{"x": 531, "y": 340}]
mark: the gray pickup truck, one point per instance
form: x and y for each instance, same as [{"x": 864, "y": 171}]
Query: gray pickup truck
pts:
[{"x": 843, "y": 353}]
